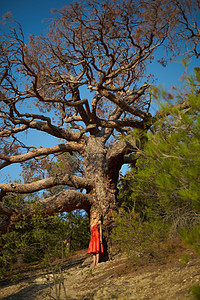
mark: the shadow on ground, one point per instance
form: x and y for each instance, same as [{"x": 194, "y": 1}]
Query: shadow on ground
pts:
[{"x": 27, "y": 292}]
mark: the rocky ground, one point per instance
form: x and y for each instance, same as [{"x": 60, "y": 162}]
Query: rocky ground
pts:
[{"x": 166, "y": 278}]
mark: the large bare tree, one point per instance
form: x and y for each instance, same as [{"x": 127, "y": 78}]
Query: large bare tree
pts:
[{"x": 83, "y": 83}]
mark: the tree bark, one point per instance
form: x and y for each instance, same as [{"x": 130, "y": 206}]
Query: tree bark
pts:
[{"x": 60, "y": 179}]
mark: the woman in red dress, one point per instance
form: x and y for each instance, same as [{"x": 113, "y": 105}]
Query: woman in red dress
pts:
[{"x": 95, "y": 245}]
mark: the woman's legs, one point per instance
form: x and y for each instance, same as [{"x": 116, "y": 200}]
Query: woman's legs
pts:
[{"x": 95, "y": 259}]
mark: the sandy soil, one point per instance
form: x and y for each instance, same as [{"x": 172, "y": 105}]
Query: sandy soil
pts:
[{"x": 165, "y": 279}]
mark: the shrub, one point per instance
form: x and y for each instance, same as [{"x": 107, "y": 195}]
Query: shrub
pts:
[{"x": 137, "y": 237}]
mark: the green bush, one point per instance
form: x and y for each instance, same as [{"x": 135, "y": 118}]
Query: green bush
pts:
[
  {"x": 191, "y": 236},
  {"x": 42, "y": 239},
  {"x": 137, "y": 237},
  {"x": 195, "y": 291}
]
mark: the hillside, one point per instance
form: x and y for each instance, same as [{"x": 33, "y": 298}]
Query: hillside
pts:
[{"x": 166, "y": 278}]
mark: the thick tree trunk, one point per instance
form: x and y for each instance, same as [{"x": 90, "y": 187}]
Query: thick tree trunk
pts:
[{"x": 104, "y": 192}]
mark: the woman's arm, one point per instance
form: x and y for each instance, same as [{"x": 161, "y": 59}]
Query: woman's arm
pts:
[{"x": 100, "y": 229}]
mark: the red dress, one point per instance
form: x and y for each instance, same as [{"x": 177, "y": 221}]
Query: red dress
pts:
[{"x": 95, "y": 246}]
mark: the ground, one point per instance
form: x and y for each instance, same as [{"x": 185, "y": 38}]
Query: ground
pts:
[{"x": 165, "y": 278}]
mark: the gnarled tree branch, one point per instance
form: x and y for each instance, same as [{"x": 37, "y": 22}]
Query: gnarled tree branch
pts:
[
  {"x": 64, "y": 201},
  {"x": 115, "y": 156},
  {"x": 62, "y": 179},
  {"x": 64, "y": 147}
]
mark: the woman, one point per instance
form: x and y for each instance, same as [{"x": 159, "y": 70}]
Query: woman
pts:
[{"x": 95, "y": 245}]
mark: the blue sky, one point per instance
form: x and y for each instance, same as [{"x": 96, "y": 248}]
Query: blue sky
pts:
[{"x": 33, "y": 15}]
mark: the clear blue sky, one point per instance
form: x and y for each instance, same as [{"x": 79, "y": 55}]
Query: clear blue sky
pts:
[{"x": 31, "y": 13}]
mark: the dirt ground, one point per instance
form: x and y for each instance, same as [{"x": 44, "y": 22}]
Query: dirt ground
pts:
[{"x": 167, "y": 278}]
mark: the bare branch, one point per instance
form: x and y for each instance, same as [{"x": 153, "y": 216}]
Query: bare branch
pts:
[
  {"x": 65, "y": 147},
  {"x": 51, "y": 129},
  {"x": 62, "y": 202},
  {"x": 118, "y": 124},
  {"x": 5, "y": 73},
  {"x": 119, "y": 149},
  {"x": 123, "y": 105},
  {"x": 9, "y": 132},
  {"x": 115, "y": 156},
  {"x": 61, "y": 179}
]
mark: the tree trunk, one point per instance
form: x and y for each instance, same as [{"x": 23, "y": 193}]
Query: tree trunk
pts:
[{"x": 104, "y": 193}]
